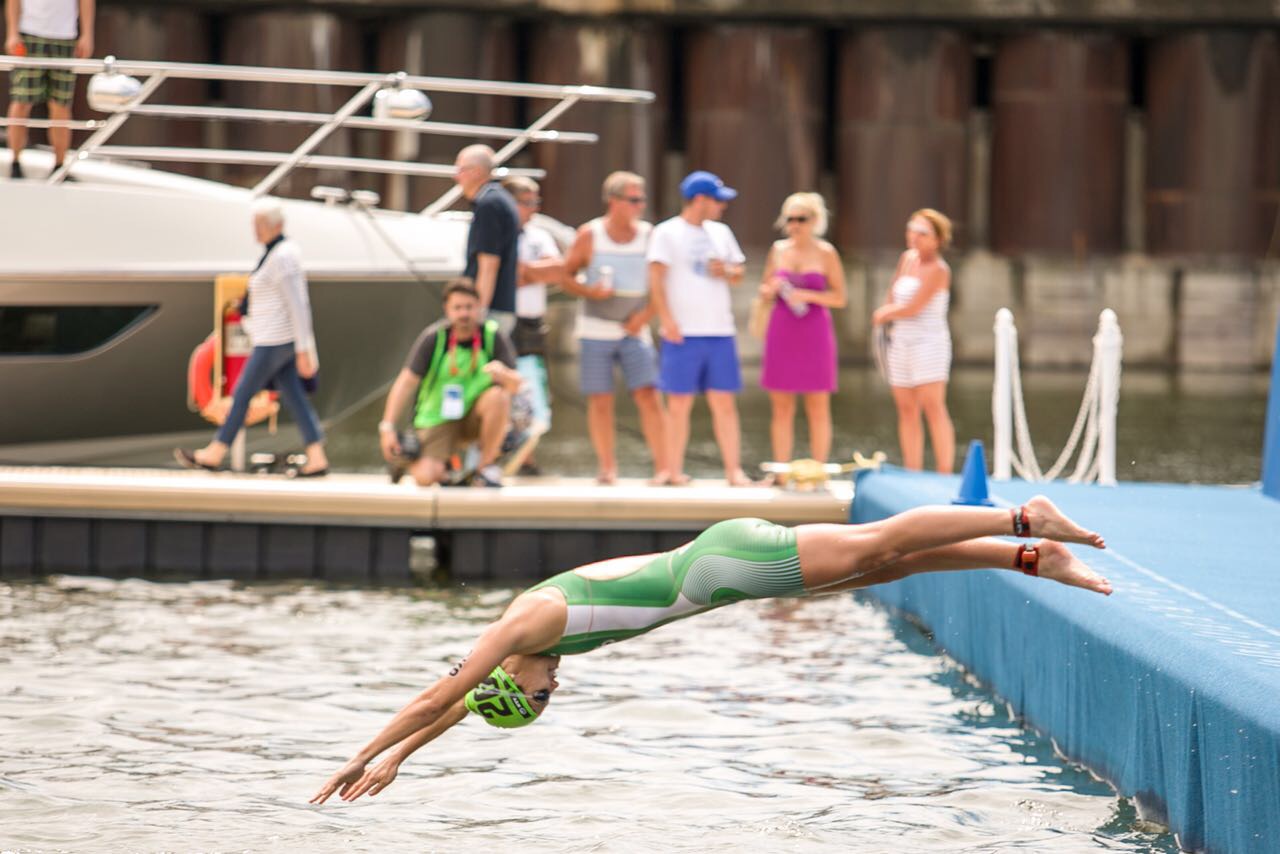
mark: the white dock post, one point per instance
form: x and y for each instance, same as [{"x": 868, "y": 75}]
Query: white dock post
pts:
[
  {"x": 1002, "y": 396},
  {"x": 238, "y": 452},
  {"x": 1108, "y": 346}
]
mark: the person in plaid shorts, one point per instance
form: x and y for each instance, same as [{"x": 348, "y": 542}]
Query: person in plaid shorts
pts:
[{"x": 57, "y": 29}]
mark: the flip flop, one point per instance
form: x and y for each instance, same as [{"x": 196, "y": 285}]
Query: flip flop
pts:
[{"x": 187, "y": 459}]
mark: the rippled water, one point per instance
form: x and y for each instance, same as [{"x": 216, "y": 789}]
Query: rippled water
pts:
[{"x": 140, "y": 716}]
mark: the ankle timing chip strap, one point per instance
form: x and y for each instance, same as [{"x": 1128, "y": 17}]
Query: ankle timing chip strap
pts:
[
  {"x": 1027, "y": 560},
  {"x": 1021, "y": 526}
]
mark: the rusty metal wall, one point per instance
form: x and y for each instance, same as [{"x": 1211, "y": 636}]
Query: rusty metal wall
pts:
[
  {"x": 291, "y": 40},
  {"x": 751, "y": 106},
  {"x": 1059, "y": 103},
  {"x": 448, "y": 44},
  {"x": 627, "y": 55},
  {"x": 162, "y": 34},
  {"x": 1213, "y": 143},
  {"x": 754, "y": 96},
  {"x": 903, "y": 102}
]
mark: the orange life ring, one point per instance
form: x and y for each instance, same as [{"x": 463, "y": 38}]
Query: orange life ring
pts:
[
  {"x": 200, "y": 375},
  {"x": 200, "y": 396}
]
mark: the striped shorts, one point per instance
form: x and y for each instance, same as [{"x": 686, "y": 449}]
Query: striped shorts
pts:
[
  {"x": 912, "y": 361},
  {"x": 38, "y": 85},
  {"x": 638, "y": 359}
]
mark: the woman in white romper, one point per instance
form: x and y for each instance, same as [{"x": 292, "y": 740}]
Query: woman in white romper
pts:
[{"x": 918, "y": 361}]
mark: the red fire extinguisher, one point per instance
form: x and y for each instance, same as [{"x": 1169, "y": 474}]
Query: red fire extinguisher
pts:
[{"x": 235, "y": 347}]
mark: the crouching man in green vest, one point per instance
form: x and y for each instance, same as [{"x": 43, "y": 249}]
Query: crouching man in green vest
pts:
[{"x": 461, "y": 374}]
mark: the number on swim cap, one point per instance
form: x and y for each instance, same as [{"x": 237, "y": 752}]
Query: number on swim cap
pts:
[{"x": 499, "y": 700}]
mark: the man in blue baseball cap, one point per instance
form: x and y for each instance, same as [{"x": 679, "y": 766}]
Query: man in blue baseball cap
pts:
[
  {"x": 703, "y": 183},
  {"x": 693, "y": 261}
]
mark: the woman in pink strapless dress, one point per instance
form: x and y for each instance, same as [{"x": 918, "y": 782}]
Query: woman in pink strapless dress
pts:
[{"x": 804, "y": 277}]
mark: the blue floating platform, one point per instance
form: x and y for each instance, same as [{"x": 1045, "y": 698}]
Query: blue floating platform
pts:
[{"x": 1169, "y": 688}]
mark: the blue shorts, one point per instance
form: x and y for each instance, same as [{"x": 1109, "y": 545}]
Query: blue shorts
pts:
[
  {"x": 595, "y": 362},
  {"x": 701, "y": 364}
]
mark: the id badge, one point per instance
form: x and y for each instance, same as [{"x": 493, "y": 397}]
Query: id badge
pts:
[{"x": 451, "y": 404}]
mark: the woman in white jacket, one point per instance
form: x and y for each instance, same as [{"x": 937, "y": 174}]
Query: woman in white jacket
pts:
[{"x": 278, "y": 324}]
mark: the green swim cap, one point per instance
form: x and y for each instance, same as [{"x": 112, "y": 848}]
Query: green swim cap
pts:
[{"x": 499, "y": 700}]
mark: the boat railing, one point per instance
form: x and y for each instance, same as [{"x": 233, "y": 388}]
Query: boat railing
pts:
[{"x": 127, "y": 96}]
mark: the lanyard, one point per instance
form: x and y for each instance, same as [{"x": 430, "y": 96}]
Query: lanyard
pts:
[{"x": 453, "y": 346}]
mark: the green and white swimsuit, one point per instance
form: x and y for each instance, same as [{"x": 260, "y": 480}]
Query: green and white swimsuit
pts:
[{"x": 730, "y": 561}]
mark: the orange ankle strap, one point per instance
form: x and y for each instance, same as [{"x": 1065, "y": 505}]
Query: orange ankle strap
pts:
[{"x": 1027, "y": 560}]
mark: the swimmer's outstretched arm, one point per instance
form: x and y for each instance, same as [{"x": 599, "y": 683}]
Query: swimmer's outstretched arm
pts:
[
  {"x": 426, "y": 710},
  {"x": 528, "y": 626},
  {"x": 377, "y": 778}
]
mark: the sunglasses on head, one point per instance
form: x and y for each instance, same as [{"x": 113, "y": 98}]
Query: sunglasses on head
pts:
[
  {"x": 635, "y": 200},
  {"x": 920, "y": 229},
  {"x": 798, "y": 218},
  {"x": 529, "y": 203}
]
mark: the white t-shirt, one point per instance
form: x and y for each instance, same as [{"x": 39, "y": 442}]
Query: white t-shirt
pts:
[
  {"x": 535, "y": 244},
  {"x": 700, "y": 304},
  {"x": 50, "y": 19}
]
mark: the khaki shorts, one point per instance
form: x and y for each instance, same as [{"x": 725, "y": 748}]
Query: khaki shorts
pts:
[{"x": 444, "y": 440}]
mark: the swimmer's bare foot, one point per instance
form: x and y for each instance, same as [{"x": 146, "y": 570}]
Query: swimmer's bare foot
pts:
[
  {"x": 739, "y": 478},
  {"x": 1045, "y": 520},
  {"x": 607, "y": 478},
  {"x": 679, "y": 479},
  {"x": 1058, "y": 564},
  {"x": 660, "y": 478}
]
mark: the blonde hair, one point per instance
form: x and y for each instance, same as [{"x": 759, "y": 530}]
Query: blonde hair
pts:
[
  {"x": 941, "y": 224},
  {"x": 519, "y": 185},
  {"x": 617, "y": 182},
  {"x": 811, "y": 203}
]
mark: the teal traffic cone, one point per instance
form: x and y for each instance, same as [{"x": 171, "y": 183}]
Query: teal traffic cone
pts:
[{"x": 973, "y": 479}]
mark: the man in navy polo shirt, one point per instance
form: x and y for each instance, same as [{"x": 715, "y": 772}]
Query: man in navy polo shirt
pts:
[{"x": 495, "y": 230}]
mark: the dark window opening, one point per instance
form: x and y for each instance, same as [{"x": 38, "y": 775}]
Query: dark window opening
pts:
[
  {"x": 982, "y": 79},
  {"x": 830, "y": 99},
  {"x": 213, "y": 27},
  {"x": 1138, "y": 74},
  {"x": 676, "y": 118},
  {"x": 63, "y": 330}
]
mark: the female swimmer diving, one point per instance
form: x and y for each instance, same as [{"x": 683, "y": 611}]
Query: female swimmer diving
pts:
[{"x": 510, "y": 675}]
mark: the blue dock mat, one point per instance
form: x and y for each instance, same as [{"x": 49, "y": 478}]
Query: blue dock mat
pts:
[{"x": 1169, "y": 688}]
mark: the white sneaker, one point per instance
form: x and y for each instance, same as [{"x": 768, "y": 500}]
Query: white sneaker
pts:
[{"x": 490, "y": 475}]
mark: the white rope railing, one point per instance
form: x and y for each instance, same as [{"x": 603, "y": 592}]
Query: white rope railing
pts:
[{"x": 1094, "y": 432}]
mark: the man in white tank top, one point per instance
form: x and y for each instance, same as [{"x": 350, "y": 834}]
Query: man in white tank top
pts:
[{"x": 613, "y": 322}]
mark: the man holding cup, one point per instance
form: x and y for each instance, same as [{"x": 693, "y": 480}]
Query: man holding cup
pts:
[{"x": 693, "y": 261}]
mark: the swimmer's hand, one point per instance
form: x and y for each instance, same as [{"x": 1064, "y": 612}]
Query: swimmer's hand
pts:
[
  {"x": 374, "y": 780},
  {"x": 342, "y": 782}
]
